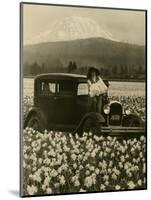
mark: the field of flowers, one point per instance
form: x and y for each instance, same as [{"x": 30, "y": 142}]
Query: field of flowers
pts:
[{"x": 58, "y": 162}]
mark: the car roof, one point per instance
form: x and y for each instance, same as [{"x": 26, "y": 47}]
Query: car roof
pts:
[{"x": 62, "y": 76}]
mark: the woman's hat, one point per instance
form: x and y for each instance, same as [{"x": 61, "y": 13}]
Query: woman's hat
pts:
[{"x": 91, "y": 70}]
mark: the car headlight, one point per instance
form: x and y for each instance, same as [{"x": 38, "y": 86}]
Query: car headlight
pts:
[
  {"x": 106, "y": 109},
  {"x": 127, "y": 111}
]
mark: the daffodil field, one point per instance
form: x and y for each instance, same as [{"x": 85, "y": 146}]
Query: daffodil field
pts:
[{"x": 59, "y": 162}]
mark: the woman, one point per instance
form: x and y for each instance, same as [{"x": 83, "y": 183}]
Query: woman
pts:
[{"x": 97, "y": 89}]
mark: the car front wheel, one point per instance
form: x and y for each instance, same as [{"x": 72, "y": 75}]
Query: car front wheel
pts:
[
  {"x": 132, "y": 121},
  {"x": 90, "y": 126}
]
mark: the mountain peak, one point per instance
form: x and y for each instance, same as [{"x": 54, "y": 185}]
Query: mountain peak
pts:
[{"x": 72, "y": 28}]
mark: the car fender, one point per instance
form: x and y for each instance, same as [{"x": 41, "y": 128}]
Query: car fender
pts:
[
  {"x": 127, "y": 118},
  {"x": 37, "y": 112},
  {"x": 95, "y": 116}
]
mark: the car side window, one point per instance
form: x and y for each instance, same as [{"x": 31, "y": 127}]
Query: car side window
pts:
[
  {"x": 82, "y": 89},
  {"x": 48, "y": 88},
  {"x": 66, "y": 88}
]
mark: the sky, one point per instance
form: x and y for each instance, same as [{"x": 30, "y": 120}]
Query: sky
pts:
[{"x": 123, "y": 25}]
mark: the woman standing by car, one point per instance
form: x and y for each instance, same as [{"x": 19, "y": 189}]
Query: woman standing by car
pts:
[{"x": 97, "y": 90}]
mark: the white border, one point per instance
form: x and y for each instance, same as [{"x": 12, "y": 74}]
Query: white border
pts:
[{"x": 9, "y": 99}]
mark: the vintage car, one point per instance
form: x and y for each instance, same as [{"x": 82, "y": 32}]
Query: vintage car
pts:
[{"x": 61, "y": 103}]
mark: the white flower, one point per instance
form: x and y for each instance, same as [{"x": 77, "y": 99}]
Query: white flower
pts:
[
  {"x": 44, "y": 144},
  {"x": 47, "y": 181},
  {"x": 93, "y": 179},
  {"x": 54, "y": 173},
  {"x": 88, "y": 181},
  {"x": 105, "y": 154},
  {"x": 136, "y": 168},
  {"x": 131, "y": 185},
  {"x": 31, "y": 190},
  {"x": 64, "y": 167},
  {"x": 114, "y": 176},
  {"x": 144, "y": 168},
  {"x": 126, "y": 156},
  {"x": 37, "y": 178},
  {"x": 108, "y": 150},
  {"x": 30, "y": 176},
  {"x": 97, "y": 171},
  {"x": 75, "y": 166},
  {"x": 122, "y": 159},
  {"x": 92, "y": 168},
  {"x": 106, "y": 183},
  {"x": 34, "y": 169},
  {"x": 126, "y": 166},
  {"x": 49, "y": 190},
  {"x": 117, "y": 187},
  {"x": 77, "y": 183},
  {"x": 117, "y": 172},
  {"x": 101, "y": 154},
  {"x": 25, "y": 156},
  {"x": 90, "y": 133},
  {"x": 142, "y": 138},
  {"x": 141, "y": 155},
  {"x": 110, "y": 163},
  {"x": 101, "y": 138},
  {"x": 93, "y": 154},
  {"x": 73, "y": 179},
  {"x": 139, "y": 182},
  {"x": 104, "y": 143},
  {"x": 40, "y": 160},
  {"x": 120, "y": 165},
  {"x": 109, "y": 170},
  {"x": 82, "y": 190},
  {"x": 73, "y": 157},
  {"x": 112, "y": 155},
  {"x": 56, "y": 185},
  {"x": 105, "y": 177},
  {"x": 81, "y": 167},
  {"x": 85, "y": 158},
  {"x": 87, "y": 172},
  {"x": 109, "y": 138},
  {"x": 102, "y": 187},
  {"x": 47, "y": 161},
  {"x": 62, "y": 180},
  {"x": 43, "y": 187},
  {"x": 24, "y": 164},
  {"x": 129, "y": 174},
  {"x": 96, "y": 138}
]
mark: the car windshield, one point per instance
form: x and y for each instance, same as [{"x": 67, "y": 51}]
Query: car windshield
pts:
[{"x": 82, "y": 89}]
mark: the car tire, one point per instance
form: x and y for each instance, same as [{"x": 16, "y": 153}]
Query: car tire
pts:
[
  {"x": 36, "y": 122},
  {"x": 132, "y": 121},
  {"x": 90, "y": 126}
]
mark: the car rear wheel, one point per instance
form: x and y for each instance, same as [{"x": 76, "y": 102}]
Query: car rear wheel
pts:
[{"x": 36, "y": 122}]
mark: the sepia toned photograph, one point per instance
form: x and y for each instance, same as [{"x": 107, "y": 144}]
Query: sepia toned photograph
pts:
[{"x": 83, "y": 99}]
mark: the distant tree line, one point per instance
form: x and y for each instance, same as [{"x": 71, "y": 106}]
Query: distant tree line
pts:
[{"x": 115, "y": 71}]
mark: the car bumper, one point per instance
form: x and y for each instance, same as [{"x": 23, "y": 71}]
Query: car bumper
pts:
[{"x": 123, "y": 131}]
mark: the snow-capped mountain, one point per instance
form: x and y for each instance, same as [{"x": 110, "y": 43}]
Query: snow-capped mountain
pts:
[{"x": 72, "y": 28}]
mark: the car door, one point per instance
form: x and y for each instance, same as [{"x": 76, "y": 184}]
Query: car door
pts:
[
  {"x": 65, "y": 103},
  {"x": 46, "y": 99}
]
